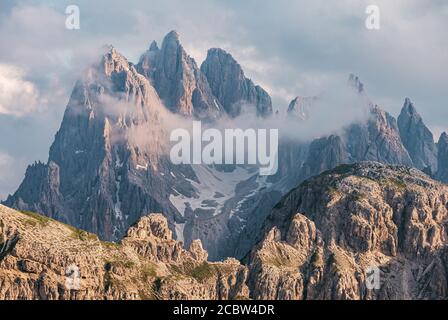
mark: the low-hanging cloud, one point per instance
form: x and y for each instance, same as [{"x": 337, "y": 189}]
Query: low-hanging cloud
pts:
[
  {"x": 334, "y": 109},
  {"x": 17, "y": 95}
]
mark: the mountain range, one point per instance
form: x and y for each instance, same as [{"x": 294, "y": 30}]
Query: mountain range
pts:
[{"x": 109, "y": 165}]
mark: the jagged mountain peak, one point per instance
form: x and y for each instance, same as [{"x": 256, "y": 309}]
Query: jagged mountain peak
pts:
[
  {"x": 223, "y": 57},
  {"x": 178, "y": 80},
  {"x": 113, "y": 56},
  {"x": 356, "y": 83},
  {"x": 417, "y": 138},
  {"x": 153, "y": 46},
  {"x": 172, "y": 36},
  {"x": 409, "y": 109},
  {"x": 234, "y": 90},
  {"x": 443, "y": 138}
]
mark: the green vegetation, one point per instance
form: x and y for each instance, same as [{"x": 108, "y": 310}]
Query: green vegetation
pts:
[
  {"x": 398, "y": 184},
  {"x": 203, "y": 272},
  {"x": 149, "y": 271},
  {"x": 317, "y": 259},
  {"x": 41, "y": 220},
  {"x": 127, "y": 264},
  {"x": 81, "y": 234},
  {"x": 111, "y": 245},
  {"x": 200, "y": 272},
  {"x": 393, "y": 182},
  {"x": 36, "y": 218},
  {"x": 341, "y": 170}
]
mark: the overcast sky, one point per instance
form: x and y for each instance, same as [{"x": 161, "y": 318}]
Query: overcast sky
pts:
[{"x": 289, "y": 47}]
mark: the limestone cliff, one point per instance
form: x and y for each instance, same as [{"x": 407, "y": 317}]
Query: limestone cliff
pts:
[
  {"x": 44, "y": 259},
  {"x": 321, "y": 239}
]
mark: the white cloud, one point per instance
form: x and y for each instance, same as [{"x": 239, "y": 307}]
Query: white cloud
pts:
[
  {"x": 17, "y": 95},
  {"x": 11, "y": 173}
]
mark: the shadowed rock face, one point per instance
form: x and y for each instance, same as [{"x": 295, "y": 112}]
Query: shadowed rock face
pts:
[
  {"x": 417, "y": 138},
  {"x": 324, "y": 154},
  {"x": 179, "y": 82},
  {"x": 235, "y": 92},
  {"x": 322, "y": 237},
  {"x": 38, "y": 254},
  {"x": 442, "y": 145},
  {"x": 377, "y": 140}
]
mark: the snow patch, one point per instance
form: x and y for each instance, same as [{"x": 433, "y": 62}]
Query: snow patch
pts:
[{"x": 210, "y": 183}]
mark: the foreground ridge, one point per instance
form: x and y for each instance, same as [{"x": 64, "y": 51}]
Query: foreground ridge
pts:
[
  {"x": 317, "y": 243},
  {"x": 38, "y": 254}
]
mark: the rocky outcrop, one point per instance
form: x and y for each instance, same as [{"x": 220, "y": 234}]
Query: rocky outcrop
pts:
[
  {"x": 179, "y": 82},
  {"x": 323, "y": 237},
  {"x": 234, "y": 91},
  {"x": 442, "y": 159},
  {"x": 46, "y": 260},
  {"x": 321, "y": 241},
  {"x": 417, "y": 138}
]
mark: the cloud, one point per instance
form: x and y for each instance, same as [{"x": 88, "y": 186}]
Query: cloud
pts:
[
  {"x": 333, "y": 109},
  {"x": 289, "y": 47},
  {"x": 12, "y": 170},
  {"x": 17, "y": 96}
]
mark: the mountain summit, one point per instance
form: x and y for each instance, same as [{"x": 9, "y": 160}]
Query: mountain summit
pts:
[
  {"x": 417, "y": 138},
  {"x": 231, "y": 87},
  {"x": 178, "y": 81}
]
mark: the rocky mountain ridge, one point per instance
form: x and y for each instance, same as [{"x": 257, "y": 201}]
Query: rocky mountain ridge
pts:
[
  {"x": 318, "y": 242},
  {"x": 109, "y": 165},
  {"x": 321, "y": 239},
  {"x": 42, "y": 259}
]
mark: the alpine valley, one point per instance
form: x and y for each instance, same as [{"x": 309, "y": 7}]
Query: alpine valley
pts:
[{"x": 371, "y": 193}]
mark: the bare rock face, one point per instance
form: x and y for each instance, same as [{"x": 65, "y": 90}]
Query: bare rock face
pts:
[
  {"x": 324, "y": 154},
  {"x": 44, "y": 259},
  {"x": 235, "y": 92},
  {"x": 319, "y": 242},
  {"x": 442, "y": 146},
  {"x": 377, "y": 140},
  {"x": 417, "y": 138},
  {"x": 321, "y": 239},
  {"x": 109, "y": 156},
  {"x": 179, "y": 82}
]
